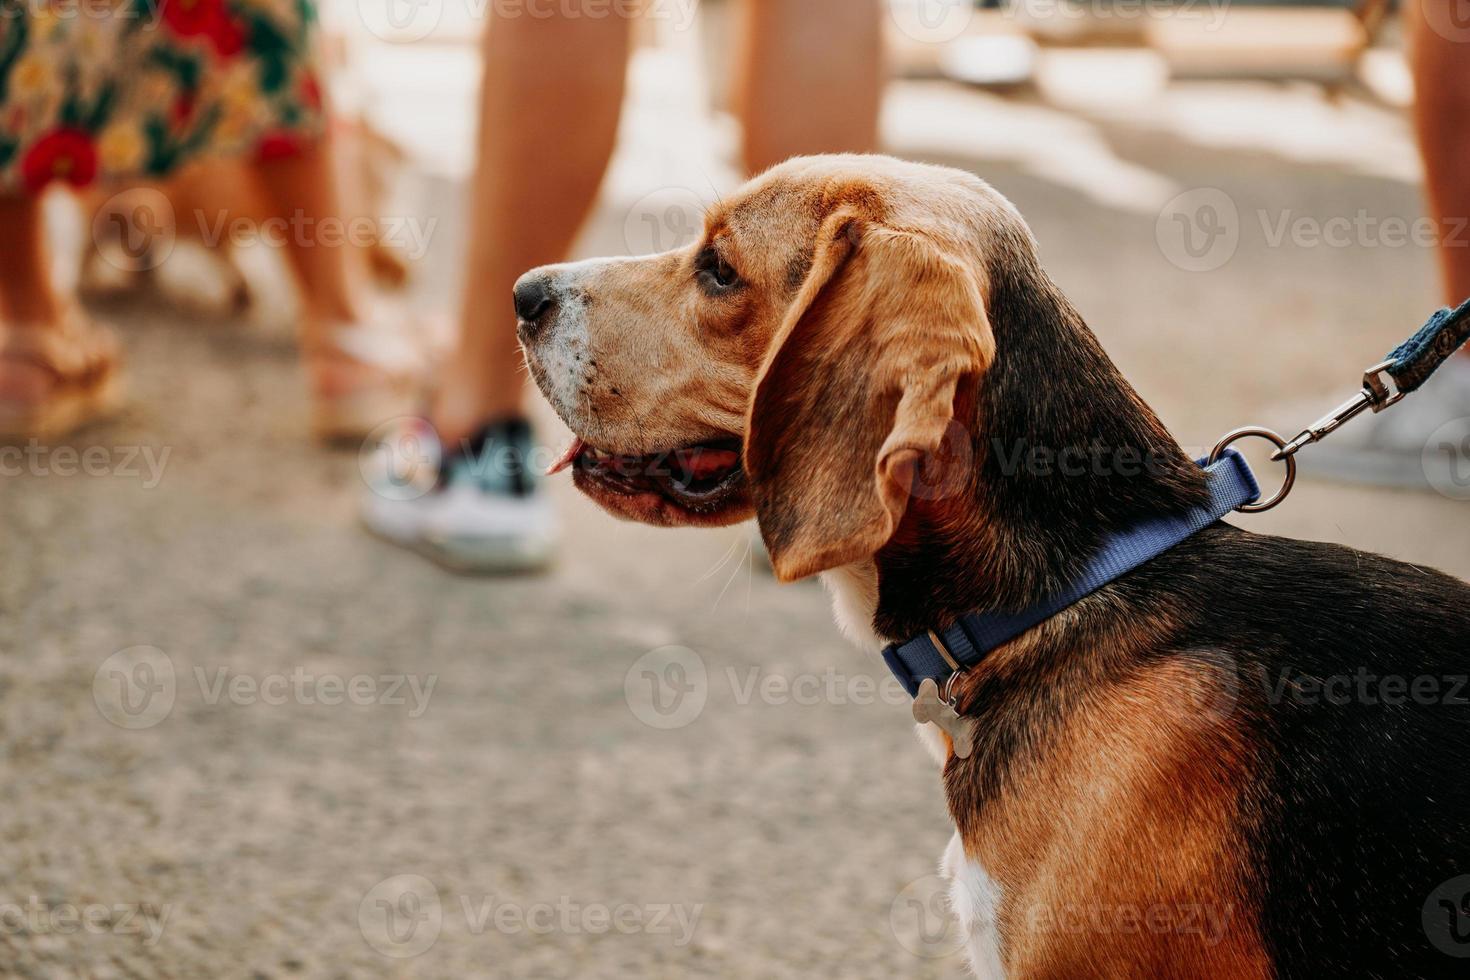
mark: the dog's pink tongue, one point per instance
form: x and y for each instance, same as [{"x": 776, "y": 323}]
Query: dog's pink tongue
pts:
[
  {"x": 702, "y": 463},
  {"x": 567, "y": 458}
]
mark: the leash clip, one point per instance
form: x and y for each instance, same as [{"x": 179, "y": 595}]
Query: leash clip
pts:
[
  {"x": 1380, "y": 391},
  {"x": 1379, "y": 384}
]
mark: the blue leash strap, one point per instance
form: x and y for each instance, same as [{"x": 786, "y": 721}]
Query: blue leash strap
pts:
[
  {"x": 1411, "y": 363},
  {"x": 938, "y": 654}
]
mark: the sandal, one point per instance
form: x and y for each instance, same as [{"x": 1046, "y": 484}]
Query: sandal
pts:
[
  {"x": 82, "y": 362},
  {"x": 375, "y": 372}
]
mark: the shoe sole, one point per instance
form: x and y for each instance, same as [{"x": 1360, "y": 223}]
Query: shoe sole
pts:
[
  {"x": 477, "y": 556},
  {"x": 64, "y": 413}
]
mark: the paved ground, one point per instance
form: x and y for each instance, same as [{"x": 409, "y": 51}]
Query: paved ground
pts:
[{"x": 521, "y": 813}]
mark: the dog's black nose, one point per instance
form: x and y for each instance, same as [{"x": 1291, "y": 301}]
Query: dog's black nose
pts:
[{"x": 533, "y": 298}]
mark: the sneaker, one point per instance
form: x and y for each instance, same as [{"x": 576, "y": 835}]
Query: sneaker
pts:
[
  {"x": 1423, "y": 442},
  {"x": 476, "y": 509}
]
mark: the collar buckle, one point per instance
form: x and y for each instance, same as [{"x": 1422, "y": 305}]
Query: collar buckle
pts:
[{"x": 946, "y": 693}]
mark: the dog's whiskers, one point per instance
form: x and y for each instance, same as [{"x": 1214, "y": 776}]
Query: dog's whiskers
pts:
[
  {"x": 734, "y": 573},
  {"x": 721, "y": 563}
]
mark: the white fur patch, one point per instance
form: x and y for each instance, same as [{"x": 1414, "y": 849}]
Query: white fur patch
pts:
[
  {"x": 854, "y": 591},
  {"x": 934, "y": 742},
  {"x": 975, "y": 898},
  {"x": 564, "y": 351},
  {"x": 973, "y": 894}
]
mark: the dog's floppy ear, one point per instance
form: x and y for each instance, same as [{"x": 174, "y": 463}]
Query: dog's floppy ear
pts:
[{"x": 857, "y": 391}]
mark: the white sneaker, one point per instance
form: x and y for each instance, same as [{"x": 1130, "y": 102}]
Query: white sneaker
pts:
[
  {"x": 1423, "y": 442},
  {"x": 477, "y": 510}
]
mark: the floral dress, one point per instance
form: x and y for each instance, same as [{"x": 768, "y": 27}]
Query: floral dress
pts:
[{"x": 98, "y": 90}]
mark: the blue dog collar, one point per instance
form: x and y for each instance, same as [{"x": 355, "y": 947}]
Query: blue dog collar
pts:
[{"x": 939, "y": 653}]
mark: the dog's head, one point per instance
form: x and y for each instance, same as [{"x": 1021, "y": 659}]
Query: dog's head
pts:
[
  {"x": 819, "y": 357},
  {"x": 824, "y": 321}
]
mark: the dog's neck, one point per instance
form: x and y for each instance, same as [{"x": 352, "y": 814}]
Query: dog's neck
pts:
[{"x": 1064, "y": 451}]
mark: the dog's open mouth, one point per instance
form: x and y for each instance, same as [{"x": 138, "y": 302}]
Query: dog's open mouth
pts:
[{"x": 702, "y": 483}]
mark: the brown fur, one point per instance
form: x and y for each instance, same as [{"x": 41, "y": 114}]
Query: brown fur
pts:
[
  {"x": 1109, "y": 770},
  {"x": 869, "y": 391}
]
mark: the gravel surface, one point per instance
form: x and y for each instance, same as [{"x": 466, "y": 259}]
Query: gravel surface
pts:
[{"x": 496, "y": 797}]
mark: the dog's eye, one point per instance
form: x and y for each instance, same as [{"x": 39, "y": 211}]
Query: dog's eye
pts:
[{"x": 715, "y": 273}]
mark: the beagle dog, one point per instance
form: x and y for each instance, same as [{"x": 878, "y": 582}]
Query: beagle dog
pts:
[{"x": 1200, "y": 769}]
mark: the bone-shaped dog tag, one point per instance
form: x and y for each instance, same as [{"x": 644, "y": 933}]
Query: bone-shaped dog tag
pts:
[{"x": 930, "y": 707}]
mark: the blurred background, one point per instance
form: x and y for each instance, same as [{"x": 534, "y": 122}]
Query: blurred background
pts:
[{"x": 240, "y": 737}]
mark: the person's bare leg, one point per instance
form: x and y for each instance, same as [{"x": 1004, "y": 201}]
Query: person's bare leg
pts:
[
  {"x": 811, "y": 78},
  {"x": 359, "y": 377},
  {"x": 26, "y": 293},
  {"x": 549, "y": 107},
  {"x": 27, "y": 297},
  {"x": 302, "y": 191},
  {"x": 1441, "y": 68},
  {"x": 46, "y": 348}
]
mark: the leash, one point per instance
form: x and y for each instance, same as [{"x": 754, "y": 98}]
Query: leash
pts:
[{"x": 928, "y": 665}]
